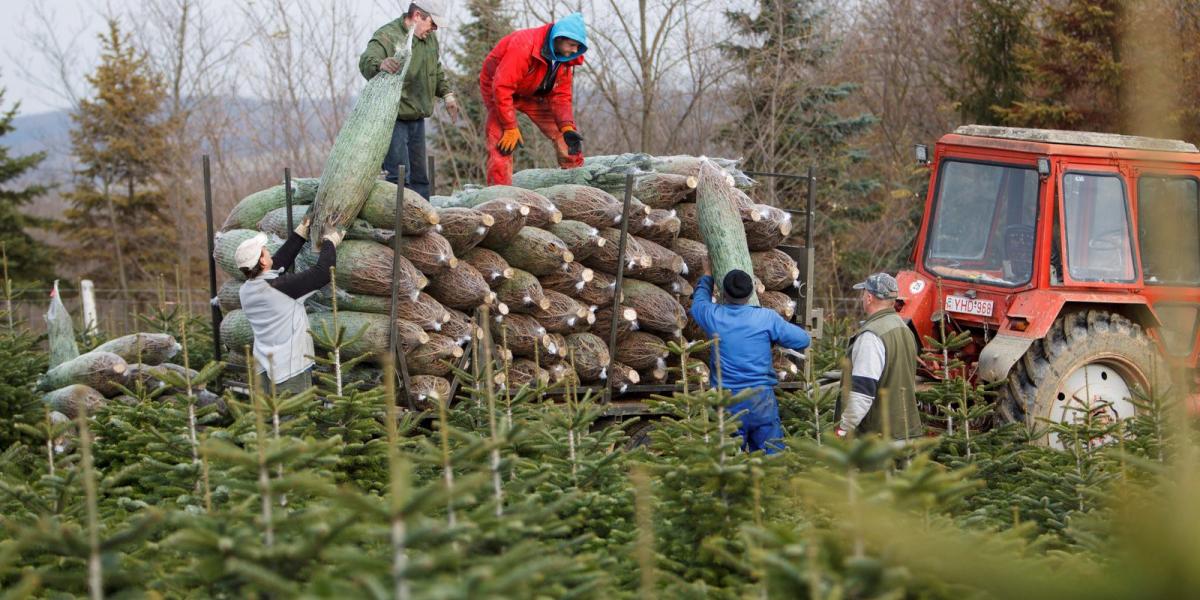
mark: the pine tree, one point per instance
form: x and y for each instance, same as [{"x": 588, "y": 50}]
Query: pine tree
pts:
[
  {"x": 788, "y": 119},
  {"x": 119, "y": 224},
  {"x": 1074, "y": 70},
  {"x": 462, "y": 146},
  {"x": 30, "y": 261},
  {"x": 24, "y": 360},
  {"x": 988, "y": 53}
]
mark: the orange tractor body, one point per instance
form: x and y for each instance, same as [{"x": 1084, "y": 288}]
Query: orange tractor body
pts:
[{"x": 1073, "y": 259}]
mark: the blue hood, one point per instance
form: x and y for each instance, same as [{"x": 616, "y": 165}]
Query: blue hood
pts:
[{"x": 572, "y": 28}]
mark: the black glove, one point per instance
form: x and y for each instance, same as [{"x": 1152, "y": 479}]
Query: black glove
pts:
[{"x": 574, "y": 142}]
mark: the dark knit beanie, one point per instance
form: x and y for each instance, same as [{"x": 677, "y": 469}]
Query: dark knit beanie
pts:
[{"x": 738, "y": 285}]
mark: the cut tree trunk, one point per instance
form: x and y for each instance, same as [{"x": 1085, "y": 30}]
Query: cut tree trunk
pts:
[
  {"x": 770, "y": 230},
  {"x": 380, "y": 209},
  {"x": 508, "y": 217},
  {"x": 721, "y": 226},
  {"x": 464, "y": 228},
  {"x": 589, "y": 355},
  {"x": 785, "y": 369},
  {"x": 435, "y": 357},
  {"x": 664, "y": 266},
  {"x": 556, "y": 350},
  {"x": 775, "y": 269},
  {"x": 598, "y": 291},
  {"x": 627, "y": 321},
  {"x": 429, "y": 252},
  {"x": 424, "y": 311},
  {"x": 460, "y": 327},
  {"x": 681, "y": 289},
  {"x": 101, "y": 371},
  {"x": 542, "y": 212},
  {"x": 353, "y": 164},
  {"x": 523, "y": 336},
  {"x": 661, "y": 226},
  {"x": 569, "y": 281},
  {"x": 562, "y": 374},
  {"x": 144, "y": 348},
  {"x": 657, "y": 310},
  {"x": 582, "y": 239},
  {"x": 524, "y": 372},
  {"x": 427, "y": 392},
  {"x": 537, "y": 251},
  {"x": 563, "y": 314},
  {"x": 642, "y": 350},
  {"x": 605, "y": 258},
  {"x": 664, "y": 190},
  {"x": 690, "y": 165},
  {"x": 693, "y": 254},
  {"x": 491, "y": 265},
  {"x": 780, "y": 303},
  {"x": 622, "y": 376},
  {"x": 69, "y": 400},
  {"x": 586, "y": 204},
  {"x": 522, "y": 292},
  {"x": 462, "y": 287},
  {"x": 689, "y": 220}
]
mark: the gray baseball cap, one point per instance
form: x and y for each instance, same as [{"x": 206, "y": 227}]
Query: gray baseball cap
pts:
[
  {"x": 436, "y": 10},
  {"x": 881, "y": 285}
]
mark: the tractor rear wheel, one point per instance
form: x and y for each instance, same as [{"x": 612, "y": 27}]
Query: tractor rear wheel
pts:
[{"x": 1089, "y": 361}]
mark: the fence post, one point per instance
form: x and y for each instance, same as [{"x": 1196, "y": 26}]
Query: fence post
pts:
[{"x": 87, "y": 294}]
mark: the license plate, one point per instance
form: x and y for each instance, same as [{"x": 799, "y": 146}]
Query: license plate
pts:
[{"x": 970, "y": 306}]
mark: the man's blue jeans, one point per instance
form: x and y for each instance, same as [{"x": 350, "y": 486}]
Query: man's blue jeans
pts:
[
  {"x": 760, "y": 428},
  {"x": 408, "y": 150}
]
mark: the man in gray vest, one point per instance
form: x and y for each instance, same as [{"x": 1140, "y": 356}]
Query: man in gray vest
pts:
[
  {"x": 879, "y": 388},
  {"x": 274, "y": 304}
]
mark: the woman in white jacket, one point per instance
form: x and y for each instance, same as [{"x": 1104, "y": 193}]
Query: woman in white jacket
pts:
[{"x": 274, "y": 304}]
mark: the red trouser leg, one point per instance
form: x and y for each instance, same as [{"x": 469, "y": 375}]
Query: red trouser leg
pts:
[
  {"x": 499, "y": 166},
  {"x": 539, "y": 112}
]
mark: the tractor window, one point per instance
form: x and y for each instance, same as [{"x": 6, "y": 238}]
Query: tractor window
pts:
[
  {"x": 1096, "y": 219},
  {"x": 1169, "y": 230},
  {"x": 985, "y": 217}
]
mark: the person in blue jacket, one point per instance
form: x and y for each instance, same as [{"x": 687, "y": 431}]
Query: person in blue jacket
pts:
[{"x": 745, "y": 335}]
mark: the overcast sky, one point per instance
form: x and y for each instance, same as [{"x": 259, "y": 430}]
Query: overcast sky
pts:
[{"x": 79, "y": 21}]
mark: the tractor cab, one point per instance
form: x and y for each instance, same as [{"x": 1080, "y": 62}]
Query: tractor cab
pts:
[{"x": 1072, "y": 258}]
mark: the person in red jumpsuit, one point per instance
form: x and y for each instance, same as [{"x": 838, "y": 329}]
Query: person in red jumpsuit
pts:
[{"x": 530, "y": 71}]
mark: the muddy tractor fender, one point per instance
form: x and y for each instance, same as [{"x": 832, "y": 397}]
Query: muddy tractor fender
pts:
[{"x": 1038, "y": 309}]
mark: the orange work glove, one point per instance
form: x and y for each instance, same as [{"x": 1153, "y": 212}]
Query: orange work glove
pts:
[
  {"x": 573, "y": 139},
  {"x": 509, "y": 141}
]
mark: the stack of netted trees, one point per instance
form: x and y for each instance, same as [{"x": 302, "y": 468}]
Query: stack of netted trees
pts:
[
  {"x": 133, "y": 363},
  {"x": 542, "y": 256}
]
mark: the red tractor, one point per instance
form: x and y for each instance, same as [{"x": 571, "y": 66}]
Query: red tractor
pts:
[{"x": 1072, "y": 258}]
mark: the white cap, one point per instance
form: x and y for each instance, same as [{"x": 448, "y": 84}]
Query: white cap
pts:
[
  {"x": 250, "y": 251},
  {"x": 436, "y": 10}
]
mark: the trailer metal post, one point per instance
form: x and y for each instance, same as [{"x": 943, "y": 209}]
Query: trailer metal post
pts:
[
  {"x": 810, "y": 261},
  {"x": 393, "y": 335},
  {"x": 212, "y": 261},
  {"x": 616, "y": 305},
  {"x": 431, "y": 166},
  {"x": 810, "y": 251},
  {"x": 287, "y": 197}
]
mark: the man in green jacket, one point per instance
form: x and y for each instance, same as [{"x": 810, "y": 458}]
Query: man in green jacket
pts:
[
  {"x": 879, "y": 388},
  {"x": 423, "y": 81}
]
